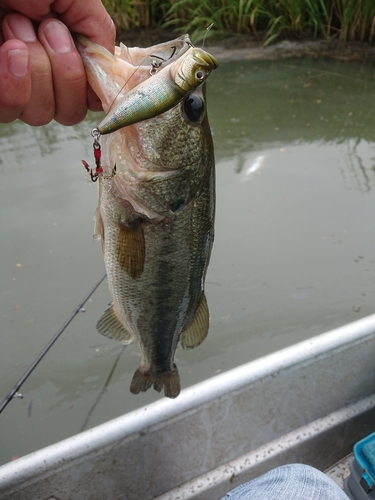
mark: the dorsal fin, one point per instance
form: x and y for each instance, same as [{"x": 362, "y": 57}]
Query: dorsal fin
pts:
[
  {"x": 197, "y": 331},
  {"x": 110, "y": 326}
]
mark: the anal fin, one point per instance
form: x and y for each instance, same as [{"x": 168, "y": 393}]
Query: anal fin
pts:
[
  {"x": 110, "y": 326},
  {"x": 197, "y": 331},
  {"x": 130, "y": 249}
]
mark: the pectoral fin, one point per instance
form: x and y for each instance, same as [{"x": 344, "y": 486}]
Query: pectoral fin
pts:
[
  {"x": 197, "y": 331},
  {"x": 130, "y": 250},
  {"x": 99, "y": 226},
  {"x": 109, "y": 325}
]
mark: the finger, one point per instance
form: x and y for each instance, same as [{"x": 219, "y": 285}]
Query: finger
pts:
[
  {"x": 41, "y": 107},
  {"x": 93, "y": 22},
  {"x": 15, "y": 81},
  {"x": 87, "y": 17},
  {"x": 33, "y": 9},
  {"x": 68, "y": 72}
]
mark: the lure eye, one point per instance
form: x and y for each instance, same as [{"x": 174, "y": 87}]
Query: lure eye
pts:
[
  {"x": 199, "y": 75},
  {"x": 193, "y": 108}
]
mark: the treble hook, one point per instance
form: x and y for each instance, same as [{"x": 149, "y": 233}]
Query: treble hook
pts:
[{"x": 97, "y": 155}]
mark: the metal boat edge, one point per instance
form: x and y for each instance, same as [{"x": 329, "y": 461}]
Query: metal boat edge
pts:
[
  {"x": 304, "y": 445},
  {"x": 165, "y": 449}
]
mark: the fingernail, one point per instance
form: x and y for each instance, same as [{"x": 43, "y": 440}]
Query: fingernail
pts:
[
  {"x": 18, "y": 62},
  {"x": 58, "y": 37},
  {"x": 22, "y": 28}
]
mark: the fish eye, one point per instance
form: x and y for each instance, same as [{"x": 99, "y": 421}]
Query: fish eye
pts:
[
  {"x": 199, "y": 75},
  {"x": 193, "y": 108}
]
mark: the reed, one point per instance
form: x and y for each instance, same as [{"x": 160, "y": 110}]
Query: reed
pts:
[
  {"x": 355, "y": 19},
  {"x": 268, "y": 20}
]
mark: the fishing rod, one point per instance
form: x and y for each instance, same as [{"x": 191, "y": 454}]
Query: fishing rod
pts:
[{"x": 37, "y": 360}]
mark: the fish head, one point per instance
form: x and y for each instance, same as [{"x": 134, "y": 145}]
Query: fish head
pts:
[
  {"x": 112, "y": 76},
  {"x": 161, "y": 161}
]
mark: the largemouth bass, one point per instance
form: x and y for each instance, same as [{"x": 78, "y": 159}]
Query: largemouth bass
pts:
[{"x": 156, "y": 204}]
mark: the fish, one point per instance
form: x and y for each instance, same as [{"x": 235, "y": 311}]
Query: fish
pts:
[{"x": 156, "y": 201}]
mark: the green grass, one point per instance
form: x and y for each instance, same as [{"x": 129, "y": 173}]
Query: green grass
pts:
[{"x": 267, "y": 20}]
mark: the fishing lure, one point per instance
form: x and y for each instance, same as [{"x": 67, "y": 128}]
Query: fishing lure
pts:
[{"x": 167, "y": 87}]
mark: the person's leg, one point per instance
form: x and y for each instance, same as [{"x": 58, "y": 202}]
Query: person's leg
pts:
[{"x": 289, "y": 482}]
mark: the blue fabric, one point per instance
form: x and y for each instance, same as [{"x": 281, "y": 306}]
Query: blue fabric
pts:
[{"x": 289, "y": 482}]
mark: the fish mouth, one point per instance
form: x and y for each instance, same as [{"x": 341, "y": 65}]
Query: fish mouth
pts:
[
  {"x": 106, "y": 73},
  {"x": 112, "y": 76}
]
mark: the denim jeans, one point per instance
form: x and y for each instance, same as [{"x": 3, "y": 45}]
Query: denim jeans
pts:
[{"x": 289, "y": 482}]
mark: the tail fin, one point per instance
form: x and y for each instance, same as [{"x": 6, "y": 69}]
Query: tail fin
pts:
[{"x": 169, "y": 380}]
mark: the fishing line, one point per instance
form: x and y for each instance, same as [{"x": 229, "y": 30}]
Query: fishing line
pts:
[
  {"x": 104, "y": 388},
  {"x": 207, "y": 30},
  {"x": 37, "y": 360},
  {"x": 131, "y": 76},
  {"x": 127, "y": 81}
]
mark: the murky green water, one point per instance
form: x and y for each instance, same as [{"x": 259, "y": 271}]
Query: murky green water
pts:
[{"x": 293, "y": 256}]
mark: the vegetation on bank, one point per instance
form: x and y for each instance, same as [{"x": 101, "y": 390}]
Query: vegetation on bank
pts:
[{"x": 267, "y": 20}]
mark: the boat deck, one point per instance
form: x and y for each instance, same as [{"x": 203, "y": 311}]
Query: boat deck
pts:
[{"x": 340, "y": 471}]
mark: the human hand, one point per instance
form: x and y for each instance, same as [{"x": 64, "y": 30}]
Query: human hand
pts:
[{"x": 42, "y": 76}]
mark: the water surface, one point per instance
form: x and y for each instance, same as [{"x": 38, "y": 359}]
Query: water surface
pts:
[{"x": 293, "y": 255}]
